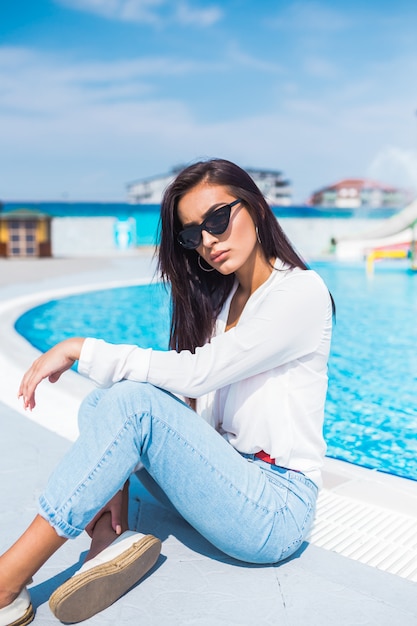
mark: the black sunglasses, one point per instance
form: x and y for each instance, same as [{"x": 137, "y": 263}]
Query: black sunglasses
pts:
[{"x": 216, "y": 223}]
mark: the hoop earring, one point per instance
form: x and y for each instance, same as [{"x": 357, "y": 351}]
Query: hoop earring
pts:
[
  {"x": 257, "y": 235},
  {"x": 211, "y": 269}
]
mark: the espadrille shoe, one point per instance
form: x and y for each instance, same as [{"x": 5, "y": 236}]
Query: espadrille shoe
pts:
[
  {"x": 105, "y": 578},
  {"x": 19, "y": 612}
]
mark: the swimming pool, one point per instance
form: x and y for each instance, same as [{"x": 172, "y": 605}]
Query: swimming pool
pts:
[{"x": 371, "y": 410}]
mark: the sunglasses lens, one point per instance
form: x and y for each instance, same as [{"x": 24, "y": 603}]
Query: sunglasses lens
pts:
[
  {"x": 217, "y": 223},
  {"x": 190, "y": 238}
]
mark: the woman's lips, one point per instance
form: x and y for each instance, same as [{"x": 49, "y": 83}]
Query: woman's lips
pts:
[{"x": 218, "y": 256}]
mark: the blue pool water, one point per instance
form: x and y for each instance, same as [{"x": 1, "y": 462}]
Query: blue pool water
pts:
[{"x": 371, "y": 411}]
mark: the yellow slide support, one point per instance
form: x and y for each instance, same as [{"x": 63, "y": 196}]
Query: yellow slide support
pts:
[{"x": 384, "y": 254}]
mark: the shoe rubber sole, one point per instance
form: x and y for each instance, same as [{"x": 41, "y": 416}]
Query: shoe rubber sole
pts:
[{"x": 88, "y": 593}]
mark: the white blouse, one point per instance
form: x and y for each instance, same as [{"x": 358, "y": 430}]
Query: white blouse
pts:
[{"x": 262, "y": 384}]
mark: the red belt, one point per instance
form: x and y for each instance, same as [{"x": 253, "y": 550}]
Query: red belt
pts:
[{"x": 265, "y": 457}]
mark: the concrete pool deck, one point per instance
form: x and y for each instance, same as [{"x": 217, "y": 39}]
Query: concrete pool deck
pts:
[{"x": 360, "y": 566}]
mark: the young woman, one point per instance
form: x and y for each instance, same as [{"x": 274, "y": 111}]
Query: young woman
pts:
[{"x": 228, "y": 423}]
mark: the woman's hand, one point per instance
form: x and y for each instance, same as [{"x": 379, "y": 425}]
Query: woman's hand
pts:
[
  {"x": 49, "y": 365},
  {"x": 115, "y": 507}
]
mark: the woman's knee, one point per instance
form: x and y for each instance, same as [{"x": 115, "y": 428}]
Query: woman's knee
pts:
[
  {"x": 88, "y": 407},
  {"x": 123, "y": 398},
  {"x": 133, "y": 397}
]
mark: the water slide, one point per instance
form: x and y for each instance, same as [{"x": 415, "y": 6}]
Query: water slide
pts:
[{"x": 396, "y": 233}]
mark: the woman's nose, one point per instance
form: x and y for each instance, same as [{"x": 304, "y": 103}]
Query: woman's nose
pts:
[{"x": 207, "y": 238}]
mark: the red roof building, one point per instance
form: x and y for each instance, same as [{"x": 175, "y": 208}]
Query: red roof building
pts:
[{"x": 353, "y": 193}]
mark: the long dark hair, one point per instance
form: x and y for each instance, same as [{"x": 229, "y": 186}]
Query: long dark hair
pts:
[{"x": 198, "y": 296}]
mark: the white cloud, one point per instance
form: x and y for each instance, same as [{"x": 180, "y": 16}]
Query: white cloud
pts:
[
  {"x": 244, "y": 59},
  {"x": 64, "y": 124},
  {"x": 153, "y": 12},
  {"x": 35, "y": 82},
  {"x": 144, "y": 11},
  {"x": 185, "y": 14},
  {"x": 311, "y": 16}
]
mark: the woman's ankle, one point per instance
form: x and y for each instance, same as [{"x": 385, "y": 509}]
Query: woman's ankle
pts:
[
  {"x": 10, "y": 586},
  {"x": 103, "y": 536},
  {"x": 7, "y": 597}
]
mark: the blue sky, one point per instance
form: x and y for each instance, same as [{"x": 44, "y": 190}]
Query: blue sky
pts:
[{"x": 97, "y": 93}]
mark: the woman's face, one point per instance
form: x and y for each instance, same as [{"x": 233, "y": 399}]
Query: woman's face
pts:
[{"x": 234, "y": 249}]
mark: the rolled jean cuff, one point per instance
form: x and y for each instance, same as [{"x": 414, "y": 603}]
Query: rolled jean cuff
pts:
[{"x": 61, "y": 527}]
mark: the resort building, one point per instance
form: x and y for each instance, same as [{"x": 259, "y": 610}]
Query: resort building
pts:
[
  {"x": 275, "y": 188},
  {"x": 25, "y": 233},
  {"x": 354, "y": 193}
]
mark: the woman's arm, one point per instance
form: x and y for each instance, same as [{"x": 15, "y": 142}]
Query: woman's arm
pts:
[
  {"x": 286, "y": 325},
  {"x": 49, "y": 365}
]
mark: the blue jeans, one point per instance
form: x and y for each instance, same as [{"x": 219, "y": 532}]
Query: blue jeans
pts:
[{"x": 249, "y": 509}]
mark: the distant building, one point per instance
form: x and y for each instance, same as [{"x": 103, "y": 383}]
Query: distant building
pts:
[
  {"x": 353, "y": 193},
  {"x": 150, "y": 190},
  {"x": 275, "y": 188},
  {"x": 25, "y": 233}
]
